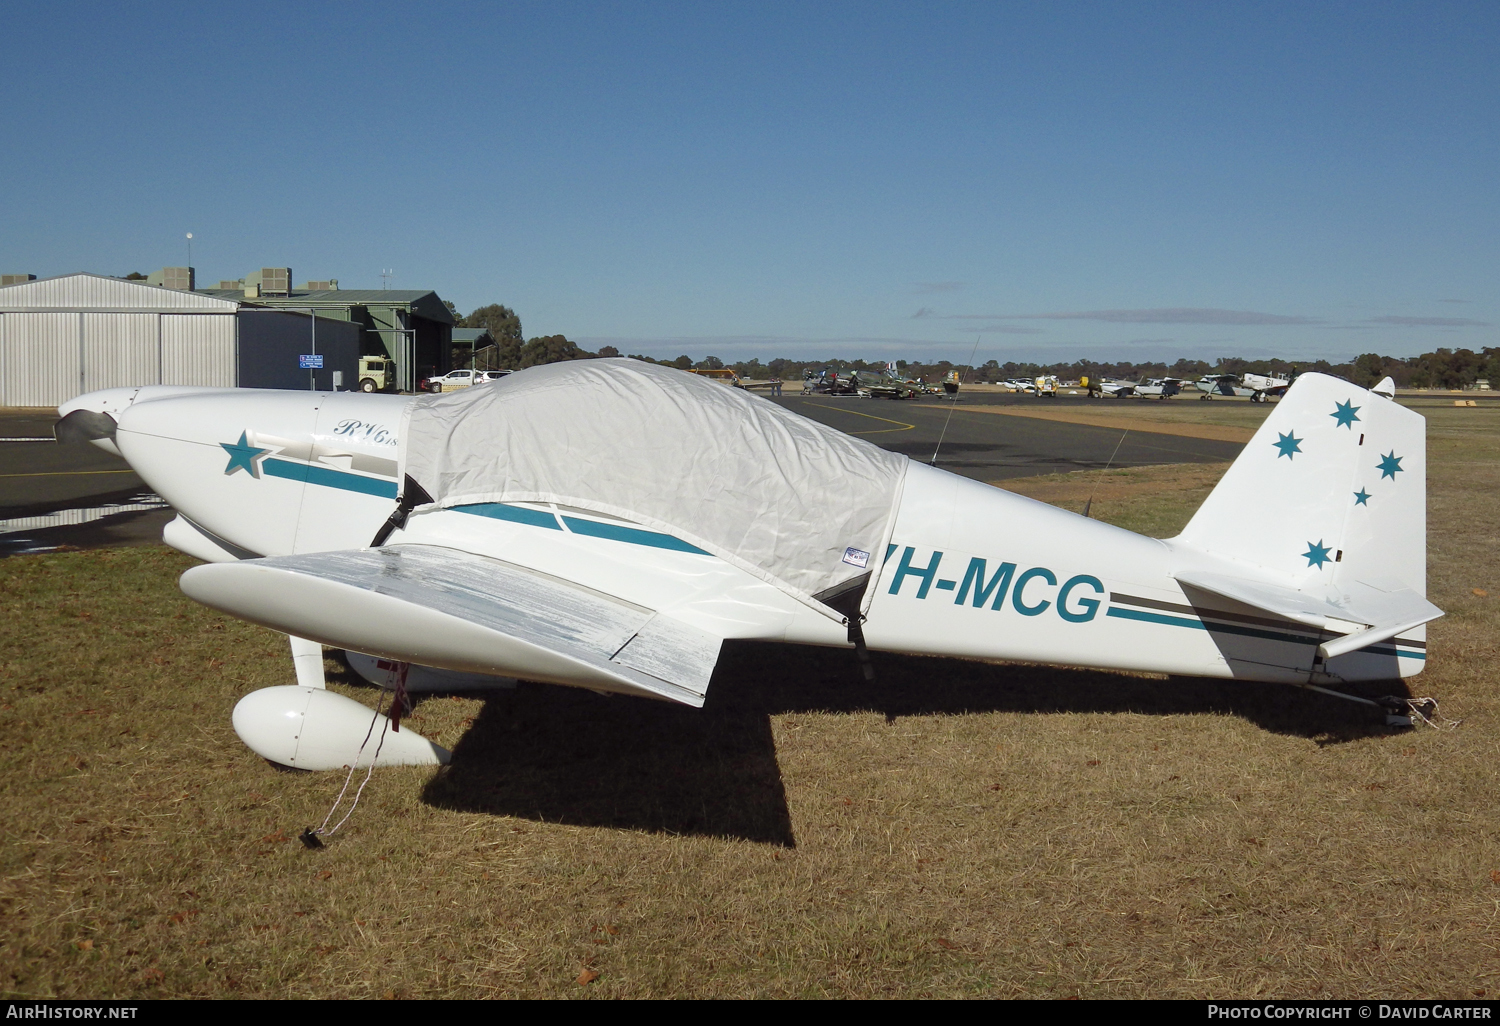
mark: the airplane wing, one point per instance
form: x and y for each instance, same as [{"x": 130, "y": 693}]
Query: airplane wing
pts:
[
  {"x": 458, "y": 611},
  {"x": 1376, "y": 611}
]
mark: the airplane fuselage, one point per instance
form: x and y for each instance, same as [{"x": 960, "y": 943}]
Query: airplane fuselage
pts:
[{"x": 971, "y": 571}]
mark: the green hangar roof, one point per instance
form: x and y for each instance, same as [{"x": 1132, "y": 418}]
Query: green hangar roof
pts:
[{"x": 422, "y": 302}]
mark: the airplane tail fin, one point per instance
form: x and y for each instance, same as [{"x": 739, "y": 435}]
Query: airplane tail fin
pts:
[{"x": 1327, "y": 509}]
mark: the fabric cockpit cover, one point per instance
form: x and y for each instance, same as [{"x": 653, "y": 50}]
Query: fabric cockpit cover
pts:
[{"x": 799, "y": 505}]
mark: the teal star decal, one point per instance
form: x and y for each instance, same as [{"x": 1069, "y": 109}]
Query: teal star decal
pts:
[
  {"x": 1346, "y": 413},
  {"x": 1390, "y": 465},
  {"x": 1316, "y": 554},
  {"x": 1361, "y": 498},
  {"x": 1288, "y": 444},
  {"x": 242, "y": 456}
]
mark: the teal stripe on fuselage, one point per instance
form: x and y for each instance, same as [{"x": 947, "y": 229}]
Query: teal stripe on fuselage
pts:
[
  {"x": 329, "y": 478},
  {"x": 1222, "y": 628},
  {"x": 1395, "y": 652},
  {"x": 589, "y": 528},
  {"x": 1249, "y": 632},
  {"x": 630, "y": 535},
  {"x": 514, "y": 514},
  {"x": 1171, "y": 621}
]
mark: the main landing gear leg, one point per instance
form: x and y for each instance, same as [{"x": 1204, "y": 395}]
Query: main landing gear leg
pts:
[{"x": 307, "y": 657}]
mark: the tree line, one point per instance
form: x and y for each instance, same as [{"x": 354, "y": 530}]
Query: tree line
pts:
[
  {"x": 506, "y": 348},
  {"x": 503, "y": 346}
]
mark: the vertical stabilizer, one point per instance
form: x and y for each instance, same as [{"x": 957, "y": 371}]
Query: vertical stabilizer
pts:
[{"x": 1331, "y": 493}]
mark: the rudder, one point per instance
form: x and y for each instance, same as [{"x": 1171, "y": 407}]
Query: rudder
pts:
[{"x": 1327, "y": 506}]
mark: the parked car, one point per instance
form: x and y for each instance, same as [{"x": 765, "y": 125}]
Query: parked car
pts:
[
  {"x": 450, "y": 382},
  {"x": 454, "y": 380}
]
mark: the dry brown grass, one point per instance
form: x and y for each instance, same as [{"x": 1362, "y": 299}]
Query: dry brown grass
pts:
[
  {"x": 1226, "y": 420},
  {"x": 954, "y": 829},
  {"x": 1154, "y": 501}
]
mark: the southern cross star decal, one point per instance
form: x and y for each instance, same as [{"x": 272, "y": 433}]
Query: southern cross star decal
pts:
[
  {"x": 1346, "y": 413},
  {"x": 1316, "y": 554},
  {"x": 1288, "y": 444},
  {"x": 1361, "y": 498},
  {"x": 242, "y": 456},
  {"x": 1390, "y": 465}
]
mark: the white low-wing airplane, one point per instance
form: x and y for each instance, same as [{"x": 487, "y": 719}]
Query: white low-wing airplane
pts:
[
  {"x": 608, "y": 523},
  {"x": 1268, "y": 384},
  {"x": 1255, "y": 387},
  {"x": 1159, "y": 388}
]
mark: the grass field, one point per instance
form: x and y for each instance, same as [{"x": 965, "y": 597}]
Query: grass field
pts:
[
  {"x": 954, "y": 829},
  {"x": 1224, "y": 420}
]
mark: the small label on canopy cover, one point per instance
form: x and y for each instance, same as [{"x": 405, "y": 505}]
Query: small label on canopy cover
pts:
[{"x": 857, "y": 557}]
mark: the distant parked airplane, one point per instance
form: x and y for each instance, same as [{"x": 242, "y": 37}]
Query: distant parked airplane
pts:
[{"x": 1159, "y": 388}]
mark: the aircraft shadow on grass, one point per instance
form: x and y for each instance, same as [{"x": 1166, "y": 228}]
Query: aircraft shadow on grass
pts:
[{"x": 566, "y": 755}]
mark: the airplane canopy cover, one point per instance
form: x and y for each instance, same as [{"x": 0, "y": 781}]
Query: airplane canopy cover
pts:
[{"x": 797, "y": 504}]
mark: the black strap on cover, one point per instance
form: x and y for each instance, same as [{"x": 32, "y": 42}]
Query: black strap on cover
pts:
[
  {"x": 846, "y": 598},
  {"x": 412, "y": 495}
]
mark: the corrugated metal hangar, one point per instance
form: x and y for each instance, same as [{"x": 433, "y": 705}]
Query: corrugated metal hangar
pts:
[{"x": 61, "y": 337}]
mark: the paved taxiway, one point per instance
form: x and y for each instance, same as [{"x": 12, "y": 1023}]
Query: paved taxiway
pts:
[
  {"x": 38, "y": 478},
  {"x": 41, "y": 477},
  {"x": 988, "y": 447}
]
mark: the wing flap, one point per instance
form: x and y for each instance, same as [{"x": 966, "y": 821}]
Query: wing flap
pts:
[
  {"x": 458, "y": 611},
  {"x": 671, "y": 650}
]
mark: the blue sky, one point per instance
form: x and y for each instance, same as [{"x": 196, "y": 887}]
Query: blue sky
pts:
[{"x": 1050, "y": 180}]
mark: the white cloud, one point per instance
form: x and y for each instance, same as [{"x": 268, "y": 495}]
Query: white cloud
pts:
[
  {"x": 1429, "y": 322},
  {"x": 1000, "y": 329},
  {"x": 1172, "y": 315}
]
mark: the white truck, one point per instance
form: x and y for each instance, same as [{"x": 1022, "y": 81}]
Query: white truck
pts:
[{"x": 456, "y": 379}]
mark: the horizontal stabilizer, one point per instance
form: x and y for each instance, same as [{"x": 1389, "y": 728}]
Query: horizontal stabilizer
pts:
[
  {"x": 1369, "y": 636},
  {"x": 454, "y": 610},
  {"x": 1385, "y": 608}
]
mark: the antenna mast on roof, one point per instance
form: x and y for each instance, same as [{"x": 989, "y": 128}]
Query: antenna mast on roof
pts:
[{"x": 386, "y": 274}]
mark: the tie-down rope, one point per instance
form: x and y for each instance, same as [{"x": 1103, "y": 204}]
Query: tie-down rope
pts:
[{"x": 397, "y": 685}]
